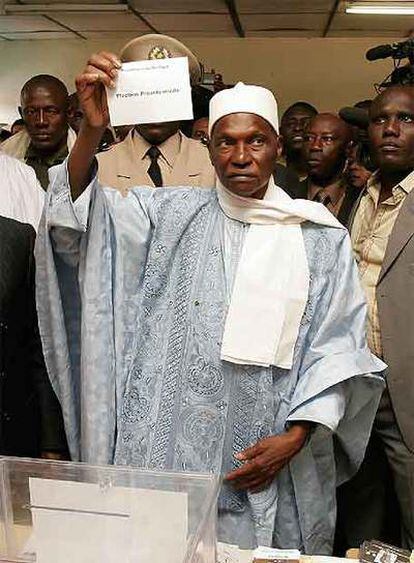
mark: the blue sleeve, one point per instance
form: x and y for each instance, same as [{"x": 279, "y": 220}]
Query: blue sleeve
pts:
[
  {"x": 90, "y": 256},
  {"x": 340, "y": 381}
]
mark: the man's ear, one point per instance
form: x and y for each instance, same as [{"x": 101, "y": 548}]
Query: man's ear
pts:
[
  {"x": 210, "y": 150},
  {"x": 20, "y": 111},
  {"x": 279, "y": 143}
]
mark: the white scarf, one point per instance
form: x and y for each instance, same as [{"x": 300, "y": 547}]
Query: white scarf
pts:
[
  {"x": 17, "y": 145},
  {"x": 272, "y": 280}
]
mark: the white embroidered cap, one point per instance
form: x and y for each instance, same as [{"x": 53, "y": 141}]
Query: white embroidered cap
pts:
[{"x": 244, "y": 98}]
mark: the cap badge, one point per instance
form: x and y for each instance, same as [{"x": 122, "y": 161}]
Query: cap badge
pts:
[{"x": 159, "y": 53}]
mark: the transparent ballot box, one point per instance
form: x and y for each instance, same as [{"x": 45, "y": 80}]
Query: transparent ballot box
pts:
[{"x": 61, "y": 512}]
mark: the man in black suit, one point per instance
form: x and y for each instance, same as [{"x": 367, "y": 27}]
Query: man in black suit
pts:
[
  {"x": 326, "y": 143},
  {"x": 30, "y": 418}
]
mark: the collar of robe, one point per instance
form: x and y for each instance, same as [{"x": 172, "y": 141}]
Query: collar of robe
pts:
[{"x": 271, "y": 286}]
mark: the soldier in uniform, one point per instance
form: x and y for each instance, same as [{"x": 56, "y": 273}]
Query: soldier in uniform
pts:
[{"x": 157, "y": 154}]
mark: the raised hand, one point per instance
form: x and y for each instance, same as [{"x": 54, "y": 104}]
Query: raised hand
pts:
[{"x": 100, "y": 71}]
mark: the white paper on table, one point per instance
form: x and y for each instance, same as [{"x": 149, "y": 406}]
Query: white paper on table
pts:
[
  {"x": 151, "y": 91},
  {"x": 228, "y": 553},
  {"x": 265, "y": 552},
  {"x": 84, "y": 523}
]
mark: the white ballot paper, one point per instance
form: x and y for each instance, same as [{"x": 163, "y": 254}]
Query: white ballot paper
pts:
[
  {"x": 151, "y": 91},
  {"x": 86, "y": 523}
]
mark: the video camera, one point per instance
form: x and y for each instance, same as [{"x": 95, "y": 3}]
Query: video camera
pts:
[{"x": 397, "y": 51}]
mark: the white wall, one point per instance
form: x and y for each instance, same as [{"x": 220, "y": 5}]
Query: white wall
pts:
[{"x": 329, "y": 73}]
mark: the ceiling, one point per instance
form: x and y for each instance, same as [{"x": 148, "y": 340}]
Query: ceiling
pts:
[{"x": 88, "y": 19}]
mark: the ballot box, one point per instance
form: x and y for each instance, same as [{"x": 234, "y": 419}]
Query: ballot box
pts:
[{"x": 62, "y": 512}]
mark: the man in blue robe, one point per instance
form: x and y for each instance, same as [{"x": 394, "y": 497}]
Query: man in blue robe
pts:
[{"x": 209, "y": 330}]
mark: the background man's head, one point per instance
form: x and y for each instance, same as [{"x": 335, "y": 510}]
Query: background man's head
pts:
[
  {"x": 358, "y": 166},
  {"x": 44, "y": 108},
  {"x": 17, "y": 126},
  {"x": 4, "y": 135},
  {"x": 75, "y": 113},
  {"x": 327, "y": 138},
  {"x": 363, "y": 104},
  {"x": 292, "y": 126},
  {"x": 199, "y": 130},
  {"x": 391, "y": 130}
]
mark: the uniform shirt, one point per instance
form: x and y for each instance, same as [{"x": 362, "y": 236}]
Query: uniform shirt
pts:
[
  {"x": 169, "y": 150},
  {"x": 41, "y": 163},
  {"x": 183, "y": 162},
  {"x": 371, "y": 229}
]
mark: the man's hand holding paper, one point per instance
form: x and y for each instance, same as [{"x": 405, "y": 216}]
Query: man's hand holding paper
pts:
[
  {"x": 101, "y": 70},
  {"x": 138, "y": 92}
]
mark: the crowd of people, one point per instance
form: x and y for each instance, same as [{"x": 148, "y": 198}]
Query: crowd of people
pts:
[{"x": 252, "y": 319}]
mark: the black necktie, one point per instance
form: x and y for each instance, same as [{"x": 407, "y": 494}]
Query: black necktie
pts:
[
  {"x": 154, "y": 170},
  {"x": 323, "y": 198}
]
